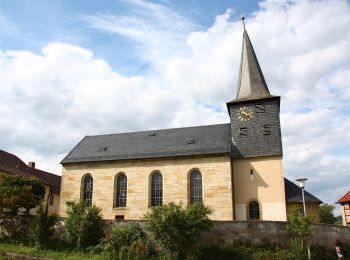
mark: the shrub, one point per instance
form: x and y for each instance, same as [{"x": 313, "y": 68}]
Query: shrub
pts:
[
  {"x": 176, "y": 228},
  {"x": 83, "y": 226},
  {"x": 299, "y": 227},
  {"x": 42, "y": 227},
  {"x": 127, "y": 242},
  {"x": 242, "y": 251},
  {"x": 323, "y": 253}
]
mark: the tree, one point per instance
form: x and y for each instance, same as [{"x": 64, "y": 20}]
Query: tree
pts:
[
  {"x": 176, "y": 228},
  {"x": 42, "y": 226},
  {"x": 326, "y": 213},
  {"x": 299, "y": 226},
  {"x": 18, "y": 193},
  {"x": 83, "y": 226}
]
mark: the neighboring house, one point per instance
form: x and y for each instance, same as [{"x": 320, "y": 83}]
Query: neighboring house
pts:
[
  {"x": 235, "y": 168},
  {"x": 294, "y": 201},
  {"x": 344, "y": 202},
  {"x": 11, "y": 164}
]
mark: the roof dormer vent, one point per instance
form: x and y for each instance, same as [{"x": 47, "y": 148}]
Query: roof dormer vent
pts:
[
  {"x": 191, "y": 142},
  {"x": 103, "y": 149}
]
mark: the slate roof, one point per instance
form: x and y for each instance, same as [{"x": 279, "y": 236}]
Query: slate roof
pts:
[
  {"x": 198, "y": 140},
  {"x": 10, "y": 163},
  {"x": 251, "y": 82},
  {"x": 293, "y": 193},
  {"x": 345, "y": 198}
]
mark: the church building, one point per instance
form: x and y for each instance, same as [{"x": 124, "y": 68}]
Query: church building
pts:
[{"x": 235, "y": 168}]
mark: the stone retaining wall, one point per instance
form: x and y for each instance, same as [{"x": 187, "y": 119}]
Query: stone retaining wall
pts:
[{"x": 227, "y": 232}]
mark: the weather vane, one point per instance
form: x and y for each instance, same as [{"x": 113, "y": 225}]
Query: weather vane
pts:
[{"x": 243, "y": 18}]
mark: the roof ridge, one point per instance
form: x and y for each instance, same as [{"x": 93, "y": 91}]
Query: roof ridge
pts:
[{"x": 157, "y": 130}]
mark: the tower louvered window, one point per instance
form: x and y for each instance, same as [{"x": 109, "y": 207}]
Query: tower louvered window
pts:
[
  {"x": 157, "y": 189},
  {"x": 87, "y": 190},
  {"x": 196, "y": 187},
  {"x": 122, "y": 185}
]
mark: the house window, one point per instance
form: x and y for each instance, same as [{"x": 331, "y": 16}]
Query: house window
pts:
[
  {"x": 243, "y": 132},
  {"x": 259, "y": 108},
  {"x": 50, "y": 199},
  {"x": 254, "y": 211},
  {"x": 266, "y": 130},
  {"x": 300, "y": 212},
  {"x": 157, "y": 189},
  {"x": 121, "y": 185},
  {"x": 196, "y": 187},
  {"x": 87, "y": 190}
]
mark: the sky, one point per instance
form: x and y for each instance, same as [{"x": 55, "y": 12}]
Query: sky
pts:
[{"x": 74, "y": 68}]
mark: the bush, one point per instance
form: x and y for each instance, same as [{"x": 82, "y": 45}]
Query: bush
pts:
[
  {"x": 42, "y": 227},
  {"x": 127, "y": 242},
  {"x": 323, "y": 253},
  {"x": 242, "y": 251},
  {"x": 83, "y": 226},
  {"x": 299, "y": 227},
  {"x": 176, "y": 228}
]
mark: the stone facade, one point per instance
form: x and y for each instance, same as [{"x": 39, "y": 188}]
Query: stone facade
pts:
[
  {"x": 312, "y": 210},
  {"x": 216, "y": 182},
  {"x": 272, "y": 231}
]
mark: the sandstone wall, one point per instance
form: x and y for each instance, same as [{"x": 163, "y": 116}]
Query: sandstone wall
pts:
[{"x": 216, "y": 183}]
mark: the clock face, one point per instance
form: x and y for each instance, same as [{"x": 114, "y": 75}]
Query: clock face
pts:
[{"x": 244, "y": 114}]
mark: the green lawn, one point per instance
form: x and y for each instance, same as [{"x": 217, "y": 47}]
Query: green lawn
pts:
[{"x": 57, "y": 254}]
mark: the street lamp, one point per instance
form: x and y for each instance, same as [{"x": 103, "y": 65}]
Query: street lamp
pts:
[{"x": 302, "y": 186}]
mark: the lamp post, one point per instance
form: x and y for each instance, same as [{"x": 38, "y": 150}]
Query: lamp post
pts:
[{"x": 302, "y": 186}]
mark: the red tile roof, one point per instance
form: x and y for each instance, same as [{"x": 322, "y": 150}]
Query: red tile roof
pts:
[
  {"x": 10, "y": 163},
  {"x": 345, "y": 198}
]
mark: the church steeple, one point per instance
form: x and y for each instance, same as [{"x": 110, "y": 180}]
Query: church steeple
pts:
[
  {"x": 254, "y": 113},
  {"x": 251, "y": 82}
]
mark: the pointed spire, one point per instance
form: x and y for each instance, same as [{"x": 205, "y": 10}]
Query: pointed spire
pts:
[{"x": 251, "y": 82}]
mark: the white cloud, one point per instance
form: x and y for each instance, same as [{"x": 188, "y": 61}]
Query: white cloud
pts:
[
  {"x": 49, "y": 101},
  {"x": 156, "y": 30}
]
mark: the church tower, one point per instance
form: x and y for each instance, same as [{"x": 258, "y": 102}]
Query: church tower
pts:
[{"x": 256, "y": 144}]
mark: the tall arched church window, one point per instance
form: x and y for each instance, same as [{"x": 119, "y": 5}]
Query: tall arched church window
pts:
[
  {"x": 254, "y": 210},
  {"x": 157, "y": 189},
  {"x": 121, "y": 185},
  {"x": 87, "y": 190},
  {"x": 196, "y": 187}
]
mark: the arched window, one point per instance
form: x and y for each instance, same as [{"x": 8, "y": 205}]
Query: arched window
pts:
[
  {"x": 87, "y": 190},
  {"x": 121, "y": 190},
  {"x": 254, "y": 211},
  {"x": 156, "y": 189},
  {"x": 196, "y": 187}
]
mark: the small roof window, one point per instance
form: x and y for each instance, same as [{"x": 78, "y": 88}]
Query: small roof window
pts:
[
  {"x": 192, "y": 141},
  {"x": 152, "y": 134}
]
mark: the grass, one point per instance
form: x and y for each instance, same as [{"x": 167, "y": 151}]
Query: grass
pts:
[{"x": 11, "y": 247}]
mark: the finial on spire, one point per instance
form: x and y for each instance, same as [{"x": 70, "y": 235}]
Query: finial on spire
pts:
[{"x": 243, "y": 18}]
